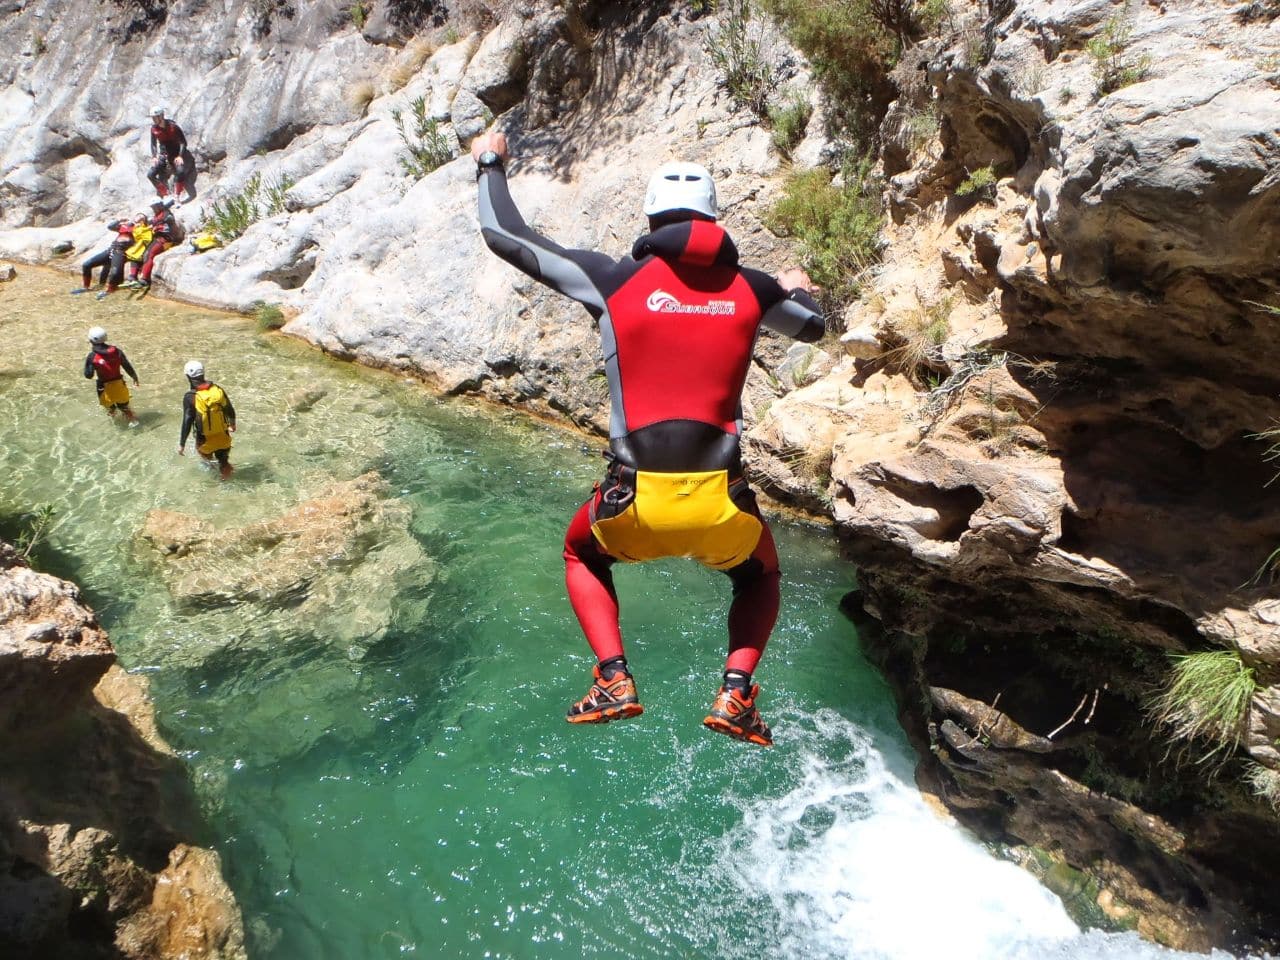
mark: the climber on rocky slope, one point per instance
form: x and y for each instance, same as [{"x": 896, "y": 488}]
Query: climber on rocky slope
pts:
[
  {"x": 170, "y": 156},
  {"x": 678, "y": 320}
]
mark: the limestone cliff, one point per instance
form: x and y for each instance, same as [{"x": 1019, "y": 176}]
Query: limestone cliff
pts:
[
  {"x": 1059, "y": 488},
  {"x": 1067, "y": 485},
  {"x": 96, "y": 818}
]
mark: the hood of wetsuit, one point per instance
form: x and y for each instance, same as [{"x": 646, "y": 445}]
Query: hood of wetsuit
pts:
[{"x": 698, "y": 243}]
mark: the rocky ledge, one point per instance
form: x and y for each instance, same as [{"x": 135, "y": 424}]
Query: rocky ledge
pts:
[{"x": 97, "y": 820}]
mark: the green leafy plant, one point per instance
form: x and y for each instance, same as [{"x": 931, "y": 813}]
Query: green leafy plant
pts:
[
  {"x": 231, "y": 216},
  {"x": 851, "y": 53},
  {"x": 1205, "y": 700},
  {"x": 37, "y": 529},
  {"x": 838, "y": 227},
  {"x": 981, "y": 183},
  {"x": 268, "y": 315},
  {"x": 426, "y": 144},
  {"x": 1113, "y": 66},
  {"x": 922, "y": 128},
  {"x": 932, "y": 13},
  {"x": 789, "y": 120},
  {"x": 359, "y": 14},
  {"x": 738, "y": 50}
]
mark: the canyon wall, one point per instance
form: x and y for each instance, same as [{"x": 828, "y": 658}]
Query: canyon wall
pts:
[{"x": 1060, "y": 488}]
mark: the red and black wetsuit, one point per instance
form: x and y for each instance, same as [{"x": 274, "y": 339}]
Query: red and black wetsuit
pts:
[
  {"x": 678, "y": 321},
  {"x": 163, "y": 227},
  {"x": 168, "y": 143},
  {"x": 111, "y": 260},
  {"x": 107, "y": 363}
]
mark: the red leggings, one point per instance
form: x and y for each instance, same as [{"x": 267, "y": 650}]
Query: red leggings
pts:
[
  {"x": 589, "y": 580},
  {"x": 157, "y": 247}
]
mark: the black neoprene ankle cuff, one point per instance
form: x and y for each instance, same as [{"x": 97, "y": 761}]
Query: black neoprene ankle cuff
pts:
[
  {"x": 737, "y": 680},
  {"x": 612, "y": 667}
]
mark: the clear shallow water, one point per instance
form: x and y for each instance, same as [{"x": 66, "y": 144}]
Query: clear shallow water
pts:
[{"x": 420, "y": 794}]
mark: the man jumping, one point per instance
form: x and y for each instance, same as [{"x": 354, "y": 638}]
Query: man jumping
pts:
[{"x": 678, "y": 320}]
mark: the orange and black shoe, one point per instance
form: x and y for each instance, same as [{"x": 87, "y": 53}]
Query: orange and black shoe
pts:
[
  {"x": 614, "y": 699},
  {"x": 736, "y": 715}
]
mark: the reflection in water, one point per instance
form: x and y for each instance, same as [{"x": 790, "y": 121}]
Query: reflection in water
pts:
[{"x": 381, "y": 752}]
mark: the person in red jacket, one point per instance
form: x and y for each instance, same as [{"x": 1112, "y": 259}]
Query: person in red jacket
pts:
[
  {"x": 678, "y": 320},
  {"x": 169, "y": 155},
  {"x": 164, "y": 230},
  {"x": 107, "y": 362}
]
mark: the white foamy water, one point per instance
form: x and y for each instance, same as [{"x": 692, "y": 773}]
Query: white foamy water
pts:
[{"x": 859, "y": 867}]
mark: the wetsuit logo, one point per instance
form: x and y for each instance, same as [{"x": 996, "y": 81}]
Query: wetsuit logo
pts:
[{"x": 662, "y": 302}]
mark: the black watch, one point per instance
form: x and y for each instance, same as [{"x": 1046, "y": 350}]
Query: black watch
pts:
[{"x": 488, "y": 159}]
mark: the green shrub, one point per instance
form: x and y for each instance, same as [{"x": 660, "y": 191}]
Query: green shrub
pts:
[
  {"x": 1113, "y": 67},
  {"x": 851, "y": 53},
  {"x": 838, "y": 227},
  {"x": 931, "y": 13},
  {"x": 1205, "y": 700},
  {"x": 268, "y": 315},
  {"x": 981, "y": 184},
  {"x": 37, "y": 529},
  {"x": 737, "y": 49},
  {"x": 231, "y": 216},
  {"x": 922, "y": 128},
  {"x": 427, "y": 145},
  {"x": 789, "y": 120},
  {"x": 359, "y": 14}
]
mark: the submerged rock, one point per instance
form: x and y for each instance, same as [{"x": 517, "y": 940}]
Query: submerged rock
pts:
[{"x": 327, "y": 566}]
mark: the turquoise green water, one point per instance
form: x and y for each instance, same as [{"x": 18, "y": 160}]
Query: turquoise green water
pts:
[{"x": 385, "y": 767}]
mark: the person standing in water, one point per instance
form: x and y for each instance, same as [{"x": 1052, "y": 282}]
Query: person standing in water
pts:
[
  {"x": 207, "y": 410},
  {"x": 106, "y": 362},
  {"x": 679, "y": 320}
]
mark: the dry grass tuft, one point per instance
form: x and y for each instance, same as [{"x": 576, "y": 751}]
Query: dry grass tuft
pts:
[
  {"x": 360, "y": 95},
  {"x": 417, "y": 52}
]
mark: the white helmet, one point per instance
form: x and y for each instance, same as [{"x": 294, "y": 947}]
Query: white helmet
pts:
[
  {"x": 97, "y": 335},
  {"x": 194, "y": 369},
  {"x": 680, "y": 185},
  {"x": 159, "y": 202},
  {"x": 157, "y": 112}
]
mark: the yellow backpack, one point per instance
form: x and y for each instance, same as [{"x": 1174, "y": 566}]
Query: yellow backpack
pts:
[
  {"x": 142, "y": 234},
  {"x": 204, "y": 241},
  {"x": 209, "y": 404}
]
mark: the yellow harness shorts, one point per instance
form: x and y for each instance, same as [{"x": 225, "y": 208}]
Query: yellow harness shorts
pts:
[
  {"x": 676, "y": 515},
  {"x": 113, "y": 393}
]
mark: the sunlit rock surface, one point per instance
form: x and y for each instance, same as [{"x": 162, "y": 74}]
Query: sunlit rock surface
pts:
[{"x": 96, "y": 814}]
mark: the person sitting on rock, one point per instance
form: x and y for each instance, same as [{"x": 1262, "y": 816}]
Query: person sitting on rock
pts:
[
  {"x": 107, "y": 361},
  {"x": 170, "y": 155},
  {"x": 111, "y": 260},
  {"x": 207, "y": 409},
  {"x": 679, "y": 320},
  {"x": 164, "y": 233}
]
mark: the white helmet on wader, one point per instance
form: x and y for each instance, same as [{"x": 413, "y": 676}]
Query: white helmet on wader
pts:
[
  {"x": 680, "y": 185},
  {"x": 97, "y": 335},
  {"x": 158, "y": 112},
  {"x": 194, "y": 369}
]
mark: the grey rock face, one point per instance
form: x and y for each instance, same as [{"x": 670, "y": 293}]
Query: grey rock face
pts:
[{"x": 376, "y": 264}]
